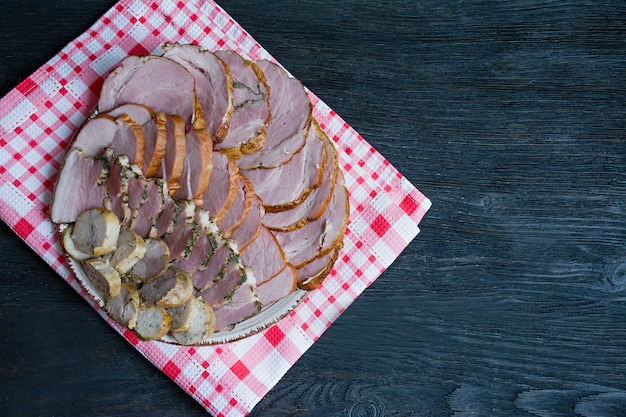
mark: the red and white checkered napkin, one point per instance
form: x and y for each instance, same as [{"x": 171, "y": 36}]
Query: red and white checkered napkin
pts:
[{"x": 39, "y": 117}]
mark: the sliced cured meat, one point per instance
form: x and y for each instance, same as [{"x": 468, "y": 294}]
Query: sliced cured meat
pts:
[
  {"x": 238, "y": 210},
  {"x": 204, "y": 246},
  {"x": 164, "y": 224},
  {"x": 197, "y": 165},
  {"x": 216, "y": 267},
  {"x": 311, "y": 275},
  {"x": 95, "y": 135},
  {"x": 243, "y": 304},
  {"x": 154, "y": 262},
  {"x": 222, "y": 188},
  {"x": 202, "y": 325},
  {"x": 278, "y": 287},
  {"x": 222, "y": 291},
  {"x": 184, "y": 232},
  {"x": 136, "y": 193},
  {"x": 250, "y": 228},
  {"x": 214, "y": 86},
  {"x": 129, "y": 140},
  {"x": 138, "y": 113},
  {"x": 246, "y": 131},
  {"x": 154, "y": 81},
  {"x": 171, "y": 289},
  {"x": 173, "y": 161},
  {"x": 264, "y": 256},
  {"x": 318, "y": 237},
  {"x": 151, "y": 206},
  {"x": 314, "y": 205},
  {"x": 116, "y": 183},
  {"x": 291, "y": 115},
  {"x": 80, "y": 186},
  {"x": 155, "y": 150},
  {"x": 284, "y": 187}
]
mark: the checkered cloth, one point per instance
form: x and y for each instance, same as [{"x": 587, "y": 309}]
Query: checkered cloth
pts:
[{"x": 39, "y": 117}]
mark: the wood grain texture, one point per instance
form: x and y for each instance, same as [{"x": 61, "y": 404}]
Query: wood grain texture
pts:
[{"x": 509, "y": 116}]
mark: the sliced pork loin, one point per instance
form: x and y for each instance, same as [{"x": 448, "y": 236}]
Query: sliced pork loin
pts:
[
  {"x": 221, "y": 291},
  {"x": 173, "y": 162},
  {"x": 202, "y": 325},
  {"x": 184, "y": 232},
  {"x": 277, "y": 287},
  {"x": 152, "y": 204},
  {"x": 124, "y": 308},
  {"x": 246, "y": 131},
  {"x": 154, "y": 262},
  {"x": 250, "y": 227},
  {"x": 311, "y": 275},
  {"x": 239, "y": 208},
  {"x": 222, "y": 188},
  {"x": 204, "y": 246},
  {"x": 95, "y": 135},
  {"x": 320, "y": 236},
  {"x": 291, "y": 116},
  {"x": 264, "y": 256},
  {"x": 284, "y": 187},
  {"x": 213, "y": 86},
  {"x": 154, "y": 81},
  {"x": 242, "y": 304},
  {"x": 80, "y": 185},
  {"x": 216, "y": 267},
  {"x": 171, "y": 289},
  {"x": 197, "y": 165},
  {"x": 315, "y": 204}
]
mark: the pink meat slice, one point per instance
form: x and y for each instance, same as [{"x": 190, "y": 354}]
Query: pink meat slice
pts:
[
  {"x": 278, "y": 287},
  {"x": 80, "y": 186},
  {"x": 145, "y": 118},
  {"x": 291, "y": 115},
  {"x": 150, "y": 208},
  {"x": 264, "y": 256},
  {"x": 95, "y": 135},
  {"x": 314, "y": 205},
  {"x": 320, "y": 236},
  {"x": 287, "y": 185},
  {"x": 197, "y": 165},
  {"x": 214, "y": 86},
  {"x": 173, "y": 161},
  {"x": 246, "y": 132},
  {"x": 222, "y": 188},
  {"x": 215, "y": 269},
  {"x": 243, "y": 304},
  {"x": 220, "y": 292},
  {"x": 205, "y": 245},
  {"x": 250, "y": 228},
  {"x": 184, "y": 232},
  {"x": 313, "y": 273},
  {"x": 154, "y": 81},
  {"x": 238, "y": 210}
]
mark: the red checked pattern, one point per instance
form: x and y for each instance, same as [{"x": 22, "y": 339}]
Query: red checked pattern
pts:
[{"x": 39, "y": 117}]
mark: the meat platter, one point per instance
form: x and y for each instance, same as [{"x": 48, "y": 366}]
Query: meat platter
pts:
[{"x": 201, "y": 200}]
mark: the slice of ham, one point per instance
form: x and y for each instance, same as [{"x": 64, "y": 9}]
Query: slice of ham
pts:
[
  {"x": 291, "y": 116},
  {"x": 250, "y": 228},
  {"x": 213, "y": 86},
  {"x": 155, "y": 149},
  {"x": 80, "y": 185},
  {"x": 246, "y": 131},
  {"x": 216, "y": 267},
  {"x": 264, "y": 256},
  {"x": 204, "y": 247},
  {"x": 318, "y": 237},
  {"x": 222, "y": 188},
  {"x": 277, "y": 287},
  {"x": 173, "y": 161},
  {"x": 315, "y": 204},
  {"x": 154, "y": 81},
  {"x": 95, "y": 135},
  {"x": 222, "y": 291},
  {"x": 184, "y": 232},
  {"x": 239, "y": 209},
  {"x": 197, "y": 165},
  {"x": 286, "y": 186},
  {"x": 151, "y": 207},
  {"x": 243, "y": 304},
  {"x": 311, "y": 275}
]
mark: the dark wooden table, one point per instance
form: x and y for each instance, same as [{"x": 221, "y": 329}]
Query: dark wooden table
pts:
[{"x": 510, "y": 116}]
